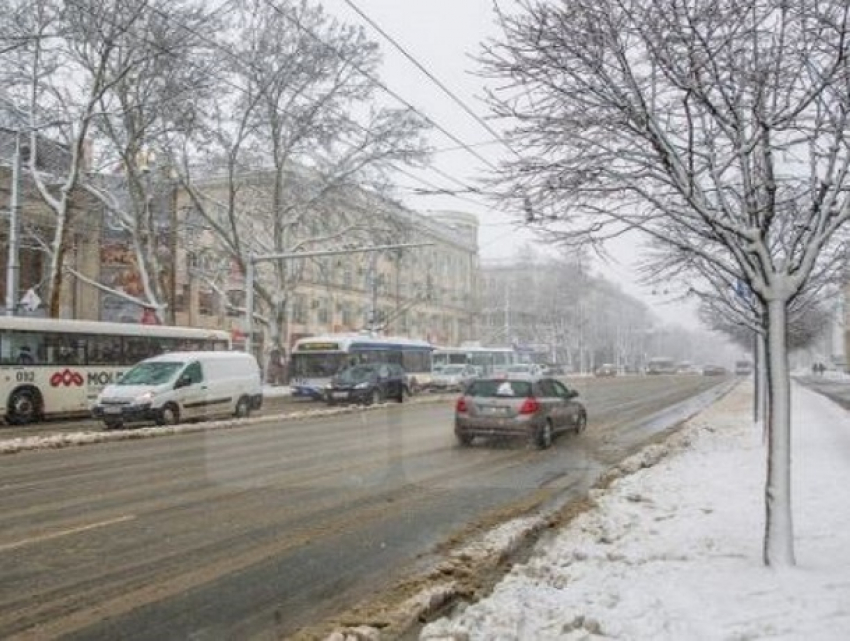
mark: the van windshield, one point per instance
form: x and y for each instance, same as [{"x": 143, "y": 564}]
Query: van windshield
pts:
[{"x": 150, "y": 373}]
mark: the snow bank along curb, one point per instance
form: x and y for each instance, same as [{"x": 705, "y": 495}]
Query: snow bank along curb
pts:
[
  {"x": 445, "y": 585},
  {"x": 56, "y": 441},
  {"x": 583, "y": 584}
]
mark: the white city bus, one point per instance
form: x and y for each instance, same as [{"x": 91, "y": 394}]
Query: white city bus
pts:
[
  {"x": 53, "y": 368},
  {"x": 316, "y": 359},
  {"x": 486, "y": 359}
]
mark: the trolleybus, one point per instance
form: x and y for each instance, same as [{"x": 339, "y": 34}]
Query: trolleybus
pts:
[{"x": 316, "y": 359}]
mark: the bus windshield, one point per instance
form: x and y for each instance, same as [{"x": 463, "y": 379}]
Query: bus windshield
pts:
[
  {"x": 318, "y": 365},
  {"x": 150, "y": 373}
]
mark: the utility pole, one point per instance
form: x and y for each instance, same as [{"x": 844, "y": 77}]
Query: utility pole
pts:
[{"x": 13, "y": 264}]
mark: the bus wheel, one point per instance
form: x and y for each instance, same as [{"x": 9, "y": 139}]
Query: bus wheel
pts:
[
  {"x": 169, "y": 415},
  {"x": 23, "y": 407}
]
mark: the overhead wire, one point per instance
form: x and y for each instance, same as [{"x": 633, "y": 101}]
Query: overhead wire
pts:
[
  {"x": 378, "y": 83},
  {"x": 227, "y": 51},
  {"x": 497, "y": 136}
]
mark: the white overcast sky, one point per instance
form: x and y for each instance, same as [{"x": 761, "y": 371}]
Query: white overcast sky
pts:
[{"x": 444, "y": 36}]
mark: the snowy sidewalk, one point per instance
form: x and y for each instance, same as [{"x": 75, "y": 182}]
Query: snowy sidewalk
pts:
[{"x": 674, "y": 551}]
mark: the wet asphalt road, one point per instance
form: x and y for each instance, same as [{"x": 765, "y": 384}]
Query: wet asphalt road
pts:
[{"x": 261, "y": 531}]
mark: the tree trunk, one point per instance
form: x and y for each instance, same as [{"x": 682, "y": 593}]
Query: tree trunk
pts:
[
  {"x": 779, "y": 527},
  {"x": 56, "y": 274}
]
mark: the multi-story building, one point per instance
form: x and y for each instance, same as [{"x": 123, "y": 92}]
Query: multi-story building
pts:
[{"x": 427, "y": 292}]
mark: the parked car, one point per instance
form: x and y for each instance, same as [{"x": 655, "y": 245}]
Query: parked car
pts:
[
  {"x": 713, "y": 370},
  {"x": 368, "y": 383},
  {"x": 453, "y": 377},
  {"x": 519, "y": 370},
  {"x": 177, "y": 386},
  {"x": 536, "y": 409},
  {"x": 606, "y": 369}
]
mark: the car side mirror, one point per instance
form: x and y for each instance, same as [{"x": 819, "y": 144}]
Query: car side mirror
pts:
[
  {"x": 572, "y": 393},
  {"x": 183, "y": 381}
]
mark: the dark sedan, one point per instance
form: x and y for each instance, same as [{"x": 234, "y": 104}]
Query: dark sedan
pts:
[{"x": 368, "y": 383}]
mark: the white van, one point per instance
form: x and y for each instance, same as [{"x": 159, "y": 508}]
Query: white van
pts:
[{"x": 178, "y": 386}]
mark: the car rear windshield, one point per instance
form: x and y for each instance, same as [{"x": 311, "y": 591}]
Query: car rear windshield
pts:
[{"x": 495, "y": 389}]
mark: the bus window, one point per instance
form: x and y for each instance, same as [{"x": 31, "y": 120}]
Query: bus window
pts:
[
  {"x": 65, "y": 350},
  {"x": 104, "y": 350},
  {"x": 138, "y": 348},
  {"x": 21, "y": 348}
]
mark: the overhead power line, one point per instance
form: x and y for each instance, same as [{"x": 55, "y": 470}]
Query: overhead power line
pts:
[
  {"x": 250, "y": 64},
  {"x": 431, "y": 77},
  {"x": 378, "y": 83}
]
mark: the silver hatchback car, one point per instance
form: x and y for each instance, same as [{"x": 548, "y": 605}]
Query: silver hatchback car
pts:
[{"x": 537, "y": 409}]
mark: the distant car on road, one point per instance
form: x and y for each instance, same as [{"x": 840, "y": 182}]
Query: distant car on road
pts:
[
  {"x": 660, "y": 365},
  {"x": 536, "y": 409},
  {"x": 453, "y": 377},
  {"x": 713, "y": 370},
  {"x": 743, "y": 368},
  {"x": 606, "y": 369},
  {"x": 519, "y": 370},
  {"x": 368, "y": 383}
]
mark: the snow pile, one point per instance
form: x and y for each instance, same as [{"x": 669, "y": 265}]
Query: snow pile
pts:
[
  {"x": 67, "y": 439},
  {"x": 673, "y": 551}
]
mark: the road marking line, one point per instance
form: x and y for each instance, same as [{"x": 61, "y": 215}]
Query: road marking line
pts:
[{"x": 74, "y": 530}]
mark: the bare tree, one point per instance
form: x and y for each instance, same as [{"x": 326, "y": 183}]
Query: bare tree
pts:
[
  {"x": 105, "y": 77},
  {"x": 294, "y": 133},
  {"x": 170, "y": 69},
  {"x": 715, "y": 126}
]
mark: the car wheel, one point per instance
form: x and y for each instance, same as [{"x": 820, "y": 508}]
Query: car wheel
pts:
[
  {"x": 113, "y": 425},
  {"x": 243, "y": 408},
  {"x": 23, "y": 407},
  {"x": 169, "y": 415},
  {"x": 581, "y": 423},
  {"x": 464, "y": 439},
  {"x": 544, "y": 436}
]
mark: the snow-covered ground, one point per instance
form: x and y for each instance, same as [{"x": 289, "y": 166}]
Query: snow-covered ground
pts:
[{"x": 673, "y": 551}]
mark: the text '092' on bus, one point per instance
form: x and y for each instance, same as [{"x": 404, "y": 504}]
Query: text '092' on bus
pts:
[
  {"x": 53, "y": 368},
  {"x": 315, "y": 360}
]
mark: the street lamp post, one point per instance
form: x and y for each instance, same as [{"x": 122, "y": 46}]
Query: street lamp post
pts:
[{"x": 13, "y": 264}]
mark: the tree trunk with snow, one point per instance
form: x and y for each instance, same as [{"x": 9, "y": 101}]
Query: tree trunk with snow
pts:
[{"x": 779, "y": 526}]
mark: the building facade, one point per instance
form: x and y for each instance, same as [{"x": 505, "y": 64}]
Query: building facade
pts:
[{"x": 428, "y": 292}]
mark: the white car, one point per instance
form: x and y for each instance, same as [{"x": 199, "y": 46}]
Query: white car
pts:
[
  {"x": 453, "y": 377},
  {"x": 523, "y": 370},
  {"x": 177, "y": 386}
]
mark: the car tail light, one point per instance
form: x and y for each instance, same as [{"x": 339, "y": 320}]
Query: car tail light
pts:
[
  {"x": 529, "y": 406},
  {"x": 460, "y": 406}
]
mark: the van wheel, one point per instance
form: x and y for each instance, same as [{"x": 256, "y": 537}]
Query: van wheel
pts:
[
  {"x": 374, "y": 397},
  {"x": 243, "y": 408},
  {"x": 23, "y": 407},
  {"x": 169, "y": 415}
]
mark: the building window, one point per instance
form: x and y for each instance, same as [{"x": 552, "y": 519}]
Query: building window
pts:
[{"x": 206, "y": 303}]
